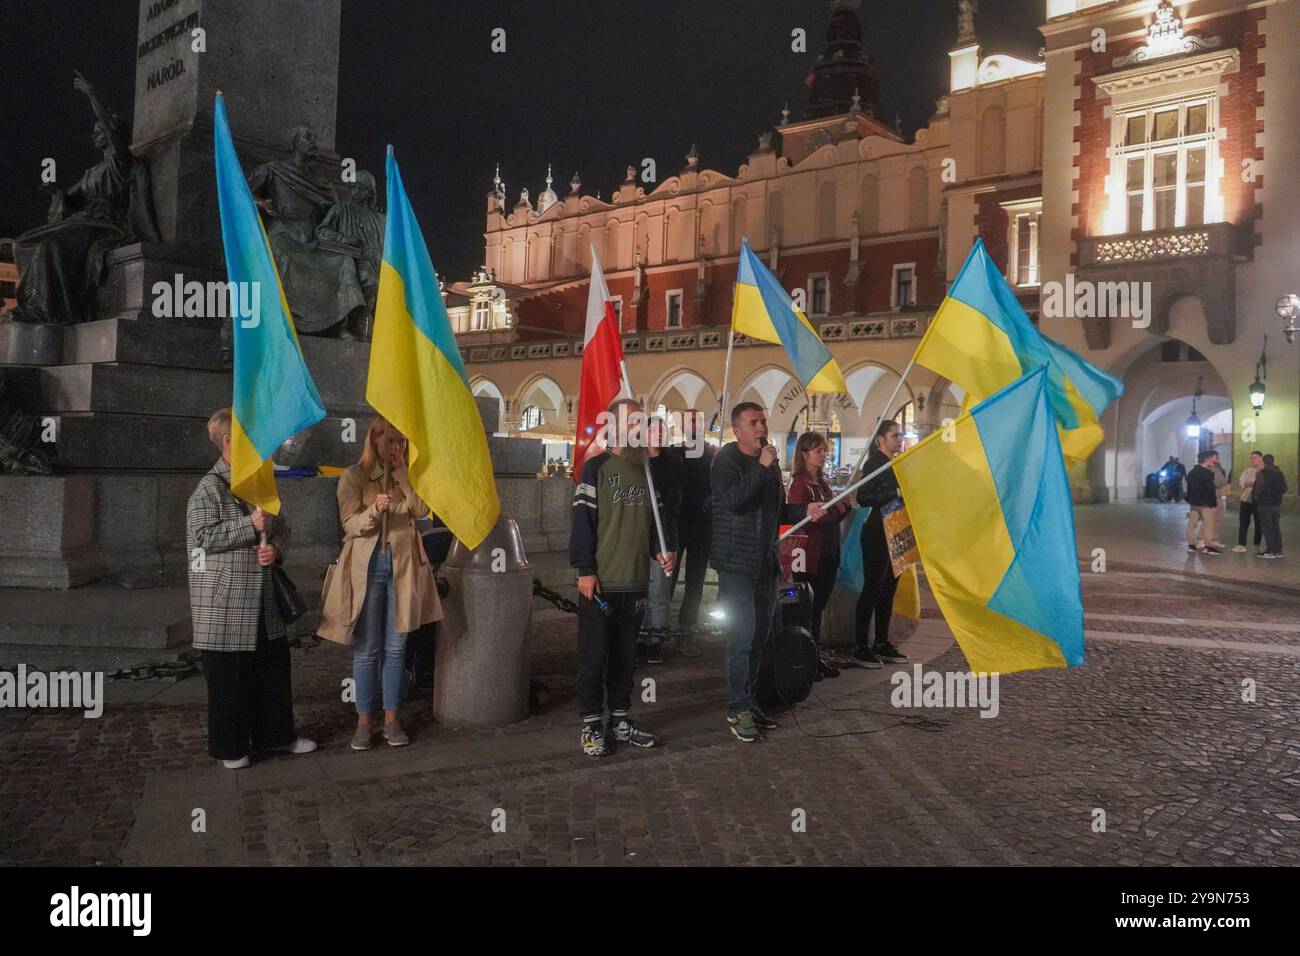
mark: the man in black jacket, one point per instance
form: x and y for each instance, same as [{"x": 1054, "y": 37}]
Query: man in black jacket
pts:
[
  {"x": 694, "y": 526},
  {"x": 748, "y": 507},
  {"x": 1270, "y": 486},
  {"x": 1203, "y": 502}
]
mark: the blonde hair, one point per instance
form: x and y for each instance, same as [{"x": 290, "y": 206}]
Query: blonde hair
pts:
[
  {"x": 219, "y": 425},
  {"x": 369, "y": 453}
]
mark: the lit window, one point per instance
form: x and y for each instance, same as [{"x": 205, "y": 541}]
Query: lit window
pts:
[
  {"x": 819, "y": 295},
  {"x": 1025, "y": 258},
  {"x": 482, "y": 315},
  {"x": 1165, "y": 157},
  {"x": 674, "y": 309},
  {"x": 618, "y": 311}
]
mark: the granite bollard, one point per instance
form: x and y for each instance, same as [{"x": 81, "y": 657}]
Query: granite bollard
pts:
[{"x": 481, "y": 662}]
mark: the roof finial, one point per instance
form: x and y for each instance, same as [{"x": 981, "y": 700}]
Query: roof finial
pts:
[
  {"x": 966, "y": 10},
  {"x": 548, "y": 176},
  {"x": 785, "y": 114},
  {"x": 857, "y": 101}
]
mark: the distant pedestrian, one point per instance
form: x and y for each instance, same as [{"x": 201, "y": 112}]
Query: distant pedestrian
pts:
[
  {"x": 667, "y": 469},
  {"x": 1203, "y": 502},
  {"x": 1270, "y": 486},
  {"x": 1246, "y": 506},
  {"x": 1221, "y": 488},
  {"x": 237, "y": 623}
]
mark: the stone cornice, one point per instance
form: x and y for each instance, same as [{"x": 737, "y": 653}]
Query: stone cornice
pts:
[{"x": 1156, "y": 73}]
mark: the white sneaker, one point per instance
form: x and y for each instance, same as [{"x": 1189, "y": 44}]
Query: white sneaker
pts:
[
  {"x": 300, "y": 745},
  {"x": 239, "y": 764},
  {"x": 1220, "y": 545},
  {"x": 1239, "y": 549}
]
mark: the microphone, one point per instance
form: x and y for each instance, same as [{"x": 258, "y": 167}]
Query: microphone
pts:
[{"x": 762, "y": 442}]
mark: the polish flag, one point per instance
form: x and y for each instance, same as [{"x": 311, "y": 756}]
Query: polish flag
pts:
[{"x": 602, "y": 363}]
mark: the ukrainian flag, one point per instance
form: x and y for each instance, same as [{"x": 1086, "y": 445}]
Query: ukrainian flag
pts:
[
  {"x": 981, "y": 340},
  {"x": 417, "y": 380},
  {"x": 763, "y": 311},
  {"x": 991, "y": 511},
  {"x": 274, "y": 395}
]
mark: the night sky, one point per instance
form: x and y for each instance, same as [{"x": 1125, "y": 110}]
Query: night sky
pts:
[{"x": 588, "y": 85}]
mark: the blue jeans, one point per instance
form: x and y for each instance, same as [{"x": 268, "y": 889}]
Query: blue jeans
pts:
[
  {"x": 376, "y": 635},
  {"x": 748, "y": 603},
  {"x": 658, "y": 597}
]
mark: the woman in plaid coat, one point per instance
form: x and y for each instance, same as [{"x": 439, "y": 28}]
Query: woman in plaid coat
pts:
[{"x": 237, "y": 623}]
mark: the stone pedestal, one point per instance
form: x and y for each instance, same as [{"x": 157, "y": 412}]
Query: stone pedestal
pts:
[
  {"x": 481, "y": 664},
  {"x": 49, "y": 539},
  {"x": 34, "y": 343}
]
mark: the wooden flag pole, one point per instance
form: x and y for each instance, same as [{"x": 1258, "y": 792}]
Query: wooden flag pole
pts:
[{"x": 726, "y": 382}]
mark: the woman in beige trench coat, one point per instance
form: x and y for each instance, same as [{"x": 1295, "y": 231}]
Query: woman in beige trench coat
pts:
[{"x": 381, "y": 587}]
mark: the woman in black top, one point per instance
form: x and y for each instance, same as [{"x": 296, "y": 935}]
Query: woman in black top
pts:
[{"x": 879, "y": 583}]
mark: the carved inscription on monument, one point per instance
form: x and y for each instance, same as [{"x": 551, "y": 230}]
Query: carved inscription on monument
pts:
[{"x": 166, "y": 75}]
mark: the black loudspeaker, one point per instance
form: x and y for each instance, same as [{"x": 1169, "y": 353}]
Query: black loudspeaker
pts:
[{"x": 788, "y": 667}]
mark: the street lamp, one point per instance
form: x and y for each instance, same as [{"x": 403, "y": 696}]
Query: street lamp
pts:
[
  {"x": 1289, "y": 308},
  {"x": 1194, "y": 423},
  {"x": 1257, "y": 386}
]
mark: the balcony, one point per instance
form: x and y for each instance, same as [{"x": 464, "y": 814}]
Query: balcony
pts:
[
  {"x": 1195, "y": 261},
  {"x": 1215, "y": 239}
]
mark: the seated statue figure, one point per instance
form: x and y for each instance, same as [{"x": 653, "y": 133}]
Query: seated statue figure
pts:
[
  {"x": 355, "y": 228},
  {"x": 60, "y": 264},
  {"x": 320, "y": 284}
]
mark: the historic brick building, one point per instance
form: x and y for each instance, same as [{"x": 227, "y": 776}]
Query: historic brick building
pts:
[{"x": 1134, "y": 150}]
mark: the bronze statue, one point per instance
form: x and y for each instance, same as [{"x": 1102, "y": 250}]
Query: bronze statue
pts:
[
  {"x": 60, "y": 263},
  {"x": 320, "y": 284},
  {"x": 355, "y": 228}
]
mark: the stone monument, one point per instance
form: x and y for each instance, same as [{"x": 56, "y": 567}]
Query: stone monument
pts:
[{"x": 120, "y": 400}]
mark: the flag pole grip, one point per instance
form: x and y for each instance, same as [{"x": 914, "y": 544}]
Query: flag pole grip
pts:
[{"x": 650, "y": 481}]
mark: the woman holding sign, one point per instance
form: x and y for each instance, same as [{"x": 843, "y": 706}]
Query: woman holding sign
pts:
[
  {"x": 822, "y": 560},
  {"x": 879, "y": 582}
]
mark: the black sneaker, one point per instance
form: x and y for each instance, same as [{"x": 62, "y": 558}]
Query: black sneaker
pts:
[
  {"x": 1210, "y": 550},
  {"x": 593, "y": 740},
  {"x": 1192, "y": 548},
  {"x": 761, "y": 720},
  {"x": 826, "y": 669},
  {"x": 655, "y": 651},
  {"x": 864, "y": 658},
  {"x": 626, "y": 731},
  {"x": 890, "y": 654}
]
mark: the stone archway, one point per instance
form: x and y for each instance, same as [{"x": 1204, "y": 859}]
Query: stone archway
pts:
[{"x": 1148, "y": 422}]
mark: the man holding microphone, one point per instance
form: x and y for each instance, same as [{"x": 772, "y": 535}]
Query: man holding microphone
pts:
[{"x": 748, "y": 508}]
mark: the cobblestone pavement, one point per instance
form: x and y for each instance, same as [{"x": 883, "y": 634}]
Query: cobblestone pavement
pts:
[{"x": 1153, "y": 731}]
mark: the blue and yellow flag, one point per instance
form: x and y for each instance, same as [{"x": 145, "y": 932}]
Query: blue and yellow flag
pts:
[
  {"x": 763, "y": 311},
  {"x": 274, "y": 395},
  {"x": 990, "y": 507},
  {"x": 417, "y": 380},
  {"x": 981, "y": 340}
]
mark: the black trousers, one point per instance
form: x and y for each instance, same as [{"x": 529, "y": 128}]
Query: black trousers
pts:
[
  {"x": 1244, "y": 515},
  {"x": 878, "y": 587},
  {"x": 694, "y": 530},
  {"x": 823, "y": 583},
  {"x": 250, "y": 698},
  {"x": 607, "y": 653}
]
